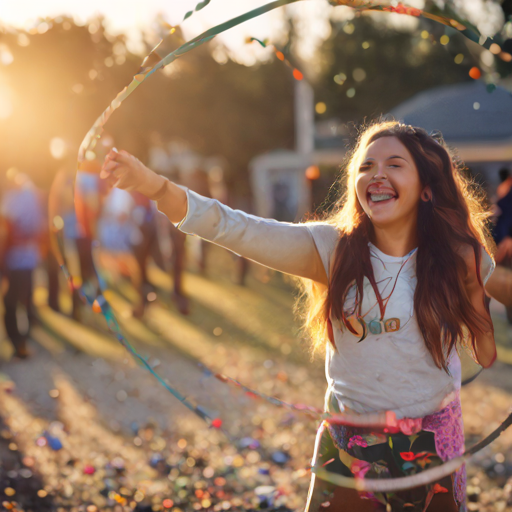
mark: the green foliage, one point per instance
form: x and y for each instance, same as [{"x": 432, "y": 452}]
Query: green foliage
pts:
[
  {"x": 230, "y": 110},
  {"x": 64, "y": 78},
  {"x": 396, "y": 65}
]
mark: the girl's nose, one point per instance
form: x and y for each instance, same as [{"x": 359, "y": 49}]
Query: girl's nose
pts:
[{"x": 379, "y": 173}]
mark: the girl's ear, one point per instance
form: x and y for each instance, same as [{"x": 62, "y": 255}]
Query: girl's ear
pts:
[{"x": 426, "y": 194}]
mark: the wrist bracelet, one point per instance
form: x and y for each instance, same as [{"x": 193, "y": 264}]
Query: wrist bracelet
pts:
[{"x": 160, "y": 192}]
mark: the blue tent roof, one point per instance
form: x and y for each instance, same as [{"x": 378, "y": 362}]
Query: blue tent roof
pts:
[{"x": 451, "y": 109}]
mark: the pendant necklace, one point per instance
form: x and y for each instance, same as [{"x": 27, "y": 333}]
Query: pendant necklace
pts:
[{"x": 383, "y": 325}]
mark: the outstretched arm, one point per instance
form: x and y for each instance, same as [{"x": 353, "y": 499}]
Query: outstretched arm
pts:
[{"x": 289, "y": 248}]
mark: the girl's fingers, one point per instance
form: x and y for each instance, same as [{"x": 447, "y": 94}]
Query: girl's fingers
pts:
[
  {"x": 111, "y": 181},
  {"x": 108, "y": 166},
  {"x": 123, "y": 157},
  {"x": 107, "y": 170},
  {"x": 117, "y": 156},
  {"x": 119, "y": 174},
  {"x": 123, "y": 177},
  {"x": 119, "y": 168},
  {"x": 111, "y": 155}
]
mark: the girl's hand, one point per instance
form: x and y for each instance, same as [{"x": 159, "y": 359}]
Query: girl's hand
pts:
[{"x": 124, "y": 171}]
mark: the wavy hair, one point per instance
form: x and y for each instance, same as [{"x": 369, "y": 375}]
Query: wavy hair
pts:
[{"x": 455, "y": 217}]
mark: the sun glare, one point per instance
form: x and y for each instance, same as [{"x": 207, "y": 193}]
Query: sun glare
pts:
[
  {"x": 6, "y": 101},
  {"x": 58, "y": 148},
  {"x": 6, "y": 57},
  {"x": 132, "y": 17}
]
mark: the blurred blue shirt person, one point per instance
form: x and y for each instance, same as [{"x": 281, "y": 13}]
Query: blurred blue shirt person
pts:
[{"x": 24, "y": 221}]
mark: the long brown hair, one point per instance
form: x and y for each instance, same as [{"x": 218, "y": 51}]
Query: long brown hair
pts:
[{"x": 454, "y": 218}]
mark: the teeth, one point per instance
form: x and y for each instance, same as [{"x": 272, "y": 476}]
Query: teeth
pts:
[{"x": 380, "y": 197}]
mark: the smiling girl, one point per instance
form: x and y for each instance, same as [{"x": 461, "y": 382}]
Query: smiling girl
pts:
[{"x": 395, "y": 285}]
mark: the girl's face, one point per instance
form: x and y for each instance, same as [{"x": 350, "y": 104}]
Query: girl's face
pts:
[{"x": 388, "y": 184}]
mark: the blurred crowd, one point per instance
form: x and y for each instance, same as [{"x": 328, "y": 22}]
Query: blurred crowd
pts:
[{"x": 103, "y": 236}]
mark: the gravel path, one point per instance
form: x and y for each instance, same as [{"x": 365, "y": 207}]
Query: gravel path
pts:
[{"x": 82, "y": 428}]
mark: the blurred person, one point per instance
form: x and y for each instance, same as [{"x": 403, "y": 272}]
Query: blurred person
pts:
[
  {"x": 74, "y": 204},
  {"x": 238, "y": 202},
  {"x": 158, "y": 155},
  {"x": 53, "y": 271},
  {"x": 89, "y": 194},
  {"x": 116, "y": 235},
  {"x": 88, "y": 204},
  {"x": 196, "y": 178},
  {"x": 502, "y": 230},
  {"x": 193, "y": 173},
  {"x": 219, "y": 191},
  {"x": 503, "y": 174},
  {"x": 185, "y": 168},
  {"x": 396, "y": 281},
  {"x": 61, "y": 205},
  {"x": 503, "y": 227},
  {"x": 167, "y": 160},
  {"x": 127, "y": 233},
  {"x": 178, "y": 262},
  {"x": 144, "y": 216},
  {"x": 24, "y": 227}
]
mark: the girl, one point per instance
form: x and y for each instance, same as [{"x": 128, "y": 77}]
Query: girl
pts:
[{"x": 395, "y": 285}]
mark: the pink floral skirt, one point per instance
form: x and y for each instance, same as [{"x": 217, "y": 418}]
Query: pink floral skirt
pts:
[{"x": 423, "y": 443}]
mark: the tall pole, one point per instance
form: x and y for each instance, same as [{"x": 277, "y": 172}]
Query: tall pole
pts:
[
  {"x": 304, "y": 139},
  {"x": 304, "y": 118}
]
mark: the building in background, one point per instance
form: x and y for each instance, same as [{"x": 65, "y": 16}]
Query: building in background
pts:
[
  {"x": 477, "y": 123},
  {"x": 279, "y": 186},
  {"x": 473, "y": 121}
]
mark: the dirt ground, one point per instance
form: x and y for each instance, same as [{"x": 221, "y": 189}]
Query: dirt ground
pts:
[{"x": 83, "y": 428}]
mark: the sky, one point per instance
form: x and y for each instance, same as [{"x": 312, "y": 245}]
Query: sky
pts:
[
  {"x": 311, "y": 16},
  {"x": 132, "y": 16}
]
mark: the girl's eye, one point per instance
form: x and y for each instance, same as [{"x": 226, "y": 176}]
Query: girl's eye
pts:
[{"x": 365, "y": 167}]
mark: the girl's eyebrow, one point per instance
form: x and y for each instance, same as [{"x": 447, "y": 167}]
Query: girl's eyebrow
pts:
[{"x": 371, "y": 159}]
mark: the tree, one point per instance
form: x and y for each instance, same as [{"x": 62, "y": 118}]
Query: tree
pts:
[
  {"x": 368, "y": 67},
  {"x": 62, "y": 76}
]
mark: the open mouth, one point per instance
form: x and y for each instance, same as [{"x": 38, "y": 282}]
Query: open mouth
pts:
[{"x": 381, "y": 197}]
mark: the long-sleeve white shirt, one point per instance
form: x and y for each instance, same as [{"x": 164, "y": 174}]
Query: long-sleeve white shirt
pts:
[{"x": 390, "y": 371}]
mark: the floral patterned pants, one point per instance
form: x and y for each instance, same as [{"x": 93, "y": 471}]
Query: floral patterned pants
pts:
[{"x": 366, "y": 453}]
